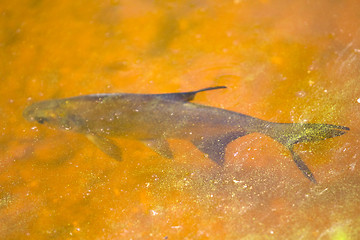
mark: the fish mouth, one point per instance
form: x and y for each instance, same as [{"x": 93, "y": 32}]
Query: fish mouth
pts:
[{"x": 28, "y": 113}]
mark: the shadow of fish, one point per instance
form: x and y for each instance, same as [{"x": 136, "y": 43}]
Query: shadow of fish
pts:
[{"x": 153, "y": 118}]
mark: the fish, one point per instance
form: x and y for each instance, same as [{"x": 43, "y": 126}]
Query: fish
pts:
[{"x": 155, "y": 118}]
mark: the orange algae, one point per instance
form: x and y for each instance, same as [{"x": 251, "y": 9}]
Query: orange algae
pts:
[{"x": 282, "y": 61}]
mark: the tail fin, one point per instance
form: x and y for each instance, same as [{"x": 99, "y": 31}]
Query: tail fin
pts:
[{"x": 291, "y": 133}]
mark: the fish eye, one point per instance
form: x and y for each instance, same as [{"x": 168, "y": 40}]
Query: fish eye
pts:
[{"x": 40, "y": 120}]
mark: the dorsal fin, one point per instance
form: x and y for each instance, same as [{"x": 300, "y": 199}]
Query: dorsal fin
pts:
[
  {"x": 185, "y": 96},
  {"x": 215, "y": 147}
]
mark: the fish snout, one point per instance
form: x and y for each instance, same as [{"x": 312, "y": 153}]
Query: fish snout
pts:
[
  {"x": 32, "y": 113},
  {"x": 28, "y": 113}
]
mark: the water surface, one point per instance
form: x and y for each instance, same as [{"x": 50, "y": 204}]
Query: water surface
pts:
[{"x": 283, "y": 61}]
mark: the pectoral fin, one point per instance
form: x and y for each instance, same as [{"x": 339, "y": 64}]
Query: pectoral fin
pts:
[
  {"x": 215, "y": 147},
  {"x": 161, "y": 146},
  {"x": 185, "y": 96},
  {"x": 106, "y": 145}
]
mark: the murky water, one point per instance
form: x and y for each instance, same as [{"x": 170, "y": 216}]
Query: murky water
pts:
[{"x": 282, "y": 61}]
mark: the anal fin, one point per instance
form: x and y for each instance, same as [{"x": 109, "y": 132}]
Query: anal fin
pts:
[
  {"x": 214, "y": 147},
  {"x": 106, "y": 145},
  {"x": 160, "y": 146}
]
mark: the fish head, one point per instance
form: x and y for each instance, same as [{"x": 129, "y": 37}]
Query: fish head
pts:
[{"x": 52, "y": 113}]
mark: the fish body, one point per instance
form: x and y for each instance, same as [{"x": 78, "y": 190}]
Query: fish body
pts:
[{"x": 154, "y": 118}]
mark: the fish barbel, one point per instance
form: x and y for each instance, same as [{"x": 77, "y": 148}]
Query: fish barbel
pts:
[{"x": 154, "y": 118}]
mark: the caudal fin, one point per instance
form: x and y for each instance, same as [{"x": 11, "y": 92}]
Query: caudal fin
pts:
[{"x": 291, "y": 133}]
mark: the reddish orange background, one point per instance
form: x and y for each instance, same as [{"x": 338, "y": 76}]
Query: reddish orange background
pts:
[{"x": 283, "y": 61}]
